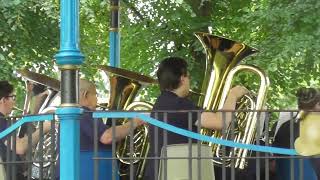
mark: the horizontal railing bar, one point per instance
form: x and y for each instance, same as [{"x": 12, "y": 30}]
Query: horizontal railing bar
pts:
[{"x": 194, "y": 135}]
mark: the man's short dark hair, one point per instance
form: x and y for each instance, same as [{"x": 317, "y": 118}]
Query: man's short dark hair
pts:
[
  {"x": 5, "y": 89},
  {"x": 170, "y": 71},
  {"x": 308, "y": 98}
]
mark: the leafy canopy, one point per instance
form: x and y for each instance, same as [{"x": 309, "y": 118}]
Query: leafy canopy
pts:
[{"x": 286, "y": 33}]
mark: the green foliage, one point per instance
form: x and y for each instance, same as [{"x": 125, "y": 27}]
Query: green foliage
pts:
[
  {"x": 28, "y": 38},
  {"x": 286, "y": 33}
]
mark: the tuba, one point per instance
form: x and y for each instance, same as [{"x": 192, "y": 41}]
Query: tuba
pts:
[
  {"x": 40, "y": 91},
  {"x": 124, "y": 86},
  {"x": 222, "y": 59},
  {"x": 42, "y": 95}
]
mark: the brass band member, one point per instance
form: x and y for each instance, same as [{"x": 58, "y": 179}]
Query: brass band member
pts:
[
  {"x": 7, "y": 102},
  {"x": 88, "y": 101},
  {"x": 174, "y": 83},
  {"x": 308, "y": 100}
]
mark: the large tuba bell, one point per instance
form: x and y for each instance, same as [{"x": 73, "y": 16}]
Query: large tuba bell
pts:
[
  {"x": 40, "y": 91},
  {"x": 222, "y": 59},
  {"x": 124, "y": 86}
]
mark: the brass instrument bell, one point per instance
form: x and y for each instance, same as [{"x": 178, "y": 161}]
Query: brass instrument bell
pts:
[{"x": 308, "y": 143}]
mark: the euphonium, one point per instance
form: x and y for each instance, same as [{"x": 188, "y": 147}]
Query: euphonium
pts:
[
  {"x": 140, "y": 144},
  {"x": 222, "y": 59},
  {"x": 124, "y": 86}
]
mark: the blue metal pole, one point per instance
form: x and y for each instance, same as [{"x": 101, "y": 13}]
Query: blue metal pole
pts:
[
  {"x": 114, "y": 34},
  {"x": 69, "y": 143},
  {"x": 69, "y": 58}
]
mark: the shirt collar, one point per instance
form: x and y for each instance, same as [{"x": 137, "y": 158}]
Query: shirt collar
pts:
[{"x": 169, "y": 93}]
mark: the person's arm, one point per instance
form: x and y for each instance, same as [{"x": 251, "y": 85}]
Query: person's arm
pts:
[
  {"x": 121, "y": 131},
  {"x": 22, "y": 143},
  {"x": 218, "y": 120}
]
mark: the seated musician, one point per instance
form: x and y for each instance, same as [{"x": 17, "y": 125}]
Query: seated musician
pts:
[
  {"x": 88, "y": 101},
  {"x": 174, "y": 85},
  {"x": 7, "y": 102},
  {"x": 308, "y": 100}
]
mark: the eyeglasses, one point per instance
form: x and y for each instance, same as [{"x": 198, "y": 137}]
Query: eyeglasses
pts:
[{"x": 12, "y": 96}]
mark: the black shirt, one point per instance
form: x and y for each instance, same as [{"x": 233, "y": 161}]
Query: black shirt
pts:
[
  {"x": 170, "y": 102},
  {"x": 282, "y": 138},
  {"x": 87, "y": 131},
  {"x": 87, "y": 134},
  {"x": 3, "y": 147},
  {"x": 167, "y": 105},
  {"x": 4, "y": 124}
]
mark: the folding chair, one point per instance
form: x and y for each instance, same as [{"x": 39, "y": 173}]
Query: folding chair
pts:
[
  {"x": 178, "y": 169},
  {"x": 2, "y": 170}
]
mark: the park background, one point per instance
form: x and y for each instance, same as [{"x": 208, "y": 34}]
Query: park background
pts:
[{"x": 286, "y": 33}]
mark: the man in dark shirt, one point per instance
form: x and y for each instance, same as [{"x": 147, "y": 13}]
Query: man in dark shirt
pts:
[
  {"x": 88, "y": 101},
  {"x": 174, "y": 85},
  {"x": 7, "y": 102}
]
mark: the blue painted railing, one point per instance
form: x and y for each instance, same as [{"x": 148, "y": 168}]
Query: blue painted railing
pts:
[
  {"x": 193, "y": 135},
  {"x": 103, "y": 114},
  {"x": 26, "y": 119}
]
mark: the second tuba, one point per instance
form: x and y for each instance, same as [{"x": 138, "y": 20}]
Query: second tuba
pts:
[
  {"x": 124, "y": 86},
  {"x": 42, "y": 96},
  {"x": 222, "y": 63}
]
